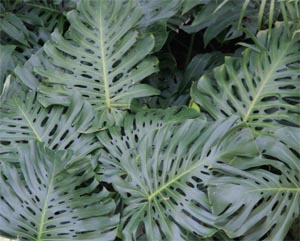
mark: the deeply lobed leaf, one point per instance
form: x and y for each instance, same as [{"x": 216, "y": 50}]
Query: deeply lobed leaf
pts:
[
  {"x": 101, "y": 56},
  {"x": 262, "y": 86},
  {"x": 23, "y": 119},
  {"x": 161, "y": 174},
  {"x": 45, "y": 201},
  {"x": 254, "y": 203}
]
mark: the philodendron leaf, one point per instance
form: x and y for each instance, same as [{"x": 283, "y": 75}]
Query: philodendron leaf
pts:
[
  {"x": 45, "y": 202},
  {"x": 161, "y": 174},
  {"x": 261, "y": 87},
  {"x": 258, "y": 204},
  {"x": 101, "y": 56},
  {"x": 138, "y": 125},
  {"x": 23, "y": 119}
]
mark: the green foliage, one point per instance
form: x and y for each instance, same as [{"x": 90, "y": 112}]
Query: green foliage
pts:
[
  {"x": 253, "y": 202},
  {"x": 262, "y": 86},
  {"x": 108, "y": 58},
  {"x": 42, "y": 202},
  {"x": 161, "y": 176},
  {"x": 149, "y": 120}
]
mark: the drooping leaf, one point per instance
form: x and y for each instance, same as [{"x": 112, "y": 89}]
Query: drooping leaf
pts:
[
  {"x": 262, "y": 87},
  {"x": 255, "y": 203},
  {"x": 101, "y": 56},
  {"x": 45, "y": 201},
  {"x": 159, "y": 32},
  {"x": 23, "y": 119},
  {"x": 161, "y": 174}
]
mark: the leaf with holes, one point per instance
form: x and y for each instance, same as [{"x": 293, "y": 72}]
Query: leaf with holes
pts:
[
  {"x": 138, "y": 126},
  {"x": 46, "y": 202},
  {"x": 101, "y": 56},
  {"x": 23, "y": 119},
  {"x": 262, "y": 87},
  {"x": 254, "y": 203},
  {"x": 161, "y": 175}
]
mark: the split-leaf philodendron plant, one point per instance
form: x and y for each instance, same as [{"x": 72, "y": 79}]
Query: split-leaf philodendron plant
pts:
[{"x": 157, "y": 120}]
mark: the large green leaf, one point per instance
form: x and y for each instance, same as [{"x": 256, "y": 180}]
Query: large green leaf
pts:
[
  {"x": 45, "y": 202},
  {"x": 254, "y": 203},
  {"x": 262, "y": 86},
  {"x": 161, "y": 174},
  {"x": 138, "y": 126},
  {"x": 23, "y": 119},
  {"x": 101, "y": 56}
]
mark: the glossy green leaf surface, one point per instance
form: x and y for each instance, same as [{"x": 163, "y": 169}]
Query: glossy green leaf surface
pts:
[
  {"x": 255, "y": 202},
  {"x": 101, "y": 56},
  {"x": 261, "y": 87},
  {"x": 150, "y": 120},
  {"x": 23, "y": 119},
  {"x": 45, "y": 202},
  {"x": 161, "y": 175}
]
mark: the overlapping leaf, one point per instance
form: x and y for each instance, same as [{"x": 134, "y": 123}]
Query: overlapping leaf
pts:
[
  {"x": 218, "y": 17},
  {"x": 175, "y": 84},
  {"x": 101, "y": 56},
  {"x": 138, "y": 126},
  {"x": 161, "y": 175},
  {"x": 28, "y": 24},
  {"x": 255, "y": 203},
  {"x": 23, "y": 119},
  {"x": 262, "y": 86},
  {"x": 47, "y": 202}
]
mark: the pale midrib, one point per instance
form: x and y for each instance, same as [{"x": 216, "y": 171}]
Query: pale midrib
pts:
[
  {"x": 104, "y": 67},
  {"x": 261, "y": 88},
  {"x": 45, "y": 207},
  {"x": 177, "y": 178},
  {"x": 30, "y": 123},
  {"x": 276, "y": 189}
]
